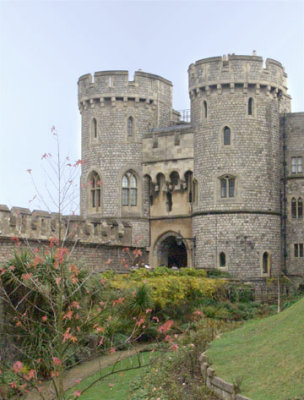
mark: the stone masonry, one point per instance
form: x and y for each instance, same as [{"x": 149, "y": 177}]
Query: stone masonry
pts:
[{"x": 220, "y": 186}]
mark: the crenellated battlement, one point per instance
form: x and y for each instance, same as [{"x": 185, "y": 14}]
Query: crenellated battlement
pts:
[
  {"x": 235, "y": 72},
  {"x": 107, "y": 87},
  {"x": 41, "y": 225}
]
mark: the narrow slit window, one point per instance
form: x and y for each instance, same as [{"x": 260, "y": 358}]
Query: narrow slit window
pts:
[
  {"x": 266, "y": 263},
  {"x": 227, "y": 136},
  {"x": 205, "y": 109},
  {"x": 222, "y": 259},
  {"x": 94, "y": 128},
  {"x": 250, "y": 106},
  {"x": 130, "y": 126}
]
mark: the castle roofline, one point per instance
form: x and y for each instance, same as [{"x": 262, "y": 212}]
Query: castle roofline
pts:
[
  {"x": 236, "y": 57},
  {"x": 179, "y": 127},
  {"x": 295, "y": 114},
  {"x": 126, "y": 74}
]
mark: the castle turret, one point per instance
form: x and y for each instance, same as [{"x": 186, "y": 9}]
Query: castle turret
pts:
[
  {"x": 235, "y": 106},
  {"x": 115, "y": 114}
]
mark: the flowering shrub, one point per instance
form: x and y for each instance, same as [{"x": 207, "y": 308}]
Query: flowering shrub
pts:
[
  {"x": 169, "y": 287},
  {"x": 176, "y": 374},
  {"x": 53, "y": 308}
]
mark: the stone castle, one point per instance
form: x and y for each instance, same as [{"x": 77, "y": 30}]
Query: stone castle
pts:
[{"x": 220, "y": 186}]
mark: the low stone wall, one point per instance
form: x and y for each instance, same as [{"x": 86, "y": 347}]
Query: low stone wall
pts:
[
  {"x": 97, "y": 244},
  {"x": 222, "y": 389},
  {"x": 93, "y": 256}
]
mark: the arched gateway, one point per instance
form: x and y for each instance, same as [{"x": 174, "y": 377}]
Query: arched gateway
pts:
[{"x": 170, "y": 250}]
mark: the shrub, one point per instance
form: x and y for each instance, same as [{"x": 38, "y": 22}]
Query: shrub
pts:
[
  {"x": 176, "y": 374},
  {"x": 170, "y": 287}
]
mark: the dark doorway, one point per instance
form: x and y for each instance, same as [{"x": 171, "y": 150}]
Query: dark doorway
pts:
[{"x": 172, "y": 253}]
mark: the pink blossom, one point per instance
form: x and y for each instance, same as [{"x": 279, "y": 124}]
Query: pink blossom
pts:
[
  {"x": 25, "y": 277},
  {"x": 56, "y": 361},
  {"x": 17, "y": 366},
  {"x": 174, "y": 347},
  {"x": 166, "y": 326},
  {"x": 30, "y": 375},
  {"x": 77, "y": 393}
]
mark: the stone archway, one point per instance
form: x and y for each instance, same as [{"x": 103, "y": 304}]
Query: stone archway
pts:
[{"x": 171, "y": 252}]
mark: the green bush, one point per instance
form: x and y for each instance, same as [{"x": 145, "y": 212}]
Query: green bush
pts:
[{"x": 176, "y": 374}]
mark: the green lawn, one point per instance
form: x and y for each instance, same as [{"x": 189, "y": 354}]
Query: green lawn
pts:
[
  {"x": 116, "y": 386},
  {"x": 267, "y": 354}
]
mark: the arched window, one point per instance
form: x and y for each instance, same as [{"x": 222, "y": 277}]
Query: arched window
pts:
[
  {"x": 250, "y": 106},
  {"x": 266, "y": 263},
  {"x": 174, "y": 178},
  {"x": 161, "y": 180},
  {"x": 129, "y": 189},
  {"x": 227, "y": 186},
  {"x": 205, "y": 109},
  {"x": 95, "y": 191},
  {"x": 94, "y": 128},
  {"x": 130, "y": 126},
  {"x": 227, "y": 136},
  {"x": 222, "y": 259}
]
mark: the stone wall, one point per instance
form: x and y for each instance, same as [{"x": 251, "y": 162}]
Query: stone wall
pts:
[
  {"x": 293, "y": 128},
  {"x": 222, "y": 389},
  {"x": 92, "y": 256},
  {"x": 243, "y": 238},
  {"x": 93, "y": 241},
  {"x": 247, "y": 223},
  {"x": 111, "y": 148}
]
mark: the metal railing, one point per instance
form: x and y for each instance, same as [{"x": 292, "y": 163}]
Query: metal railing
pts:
[{"x": 185, "y": 115}]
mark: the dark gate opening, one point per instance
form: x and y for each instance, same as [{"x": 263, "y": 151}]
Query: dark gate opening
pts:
[{"x": 172, "y": 253}]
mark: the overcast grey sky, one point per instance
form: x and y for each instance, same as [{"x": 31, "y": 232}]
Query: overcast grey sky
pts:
[{"x": 46, "y": 46}]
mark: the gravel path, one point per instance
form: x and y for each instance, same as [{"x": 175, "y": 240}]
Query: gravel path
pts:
[{"x": 84, "y": 370}]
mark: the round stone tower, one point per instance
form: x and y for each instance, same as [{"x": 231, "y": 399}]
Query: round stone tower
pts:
[
  {"x": 235, "y": 106},
  {"x": 116, "y": 113}
]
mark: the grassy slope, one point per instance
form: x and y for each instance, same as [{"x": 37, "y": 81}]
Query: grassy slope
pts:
[
  {"x": 268, "y": 354},
  {"x": 103, "y": 390}
]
